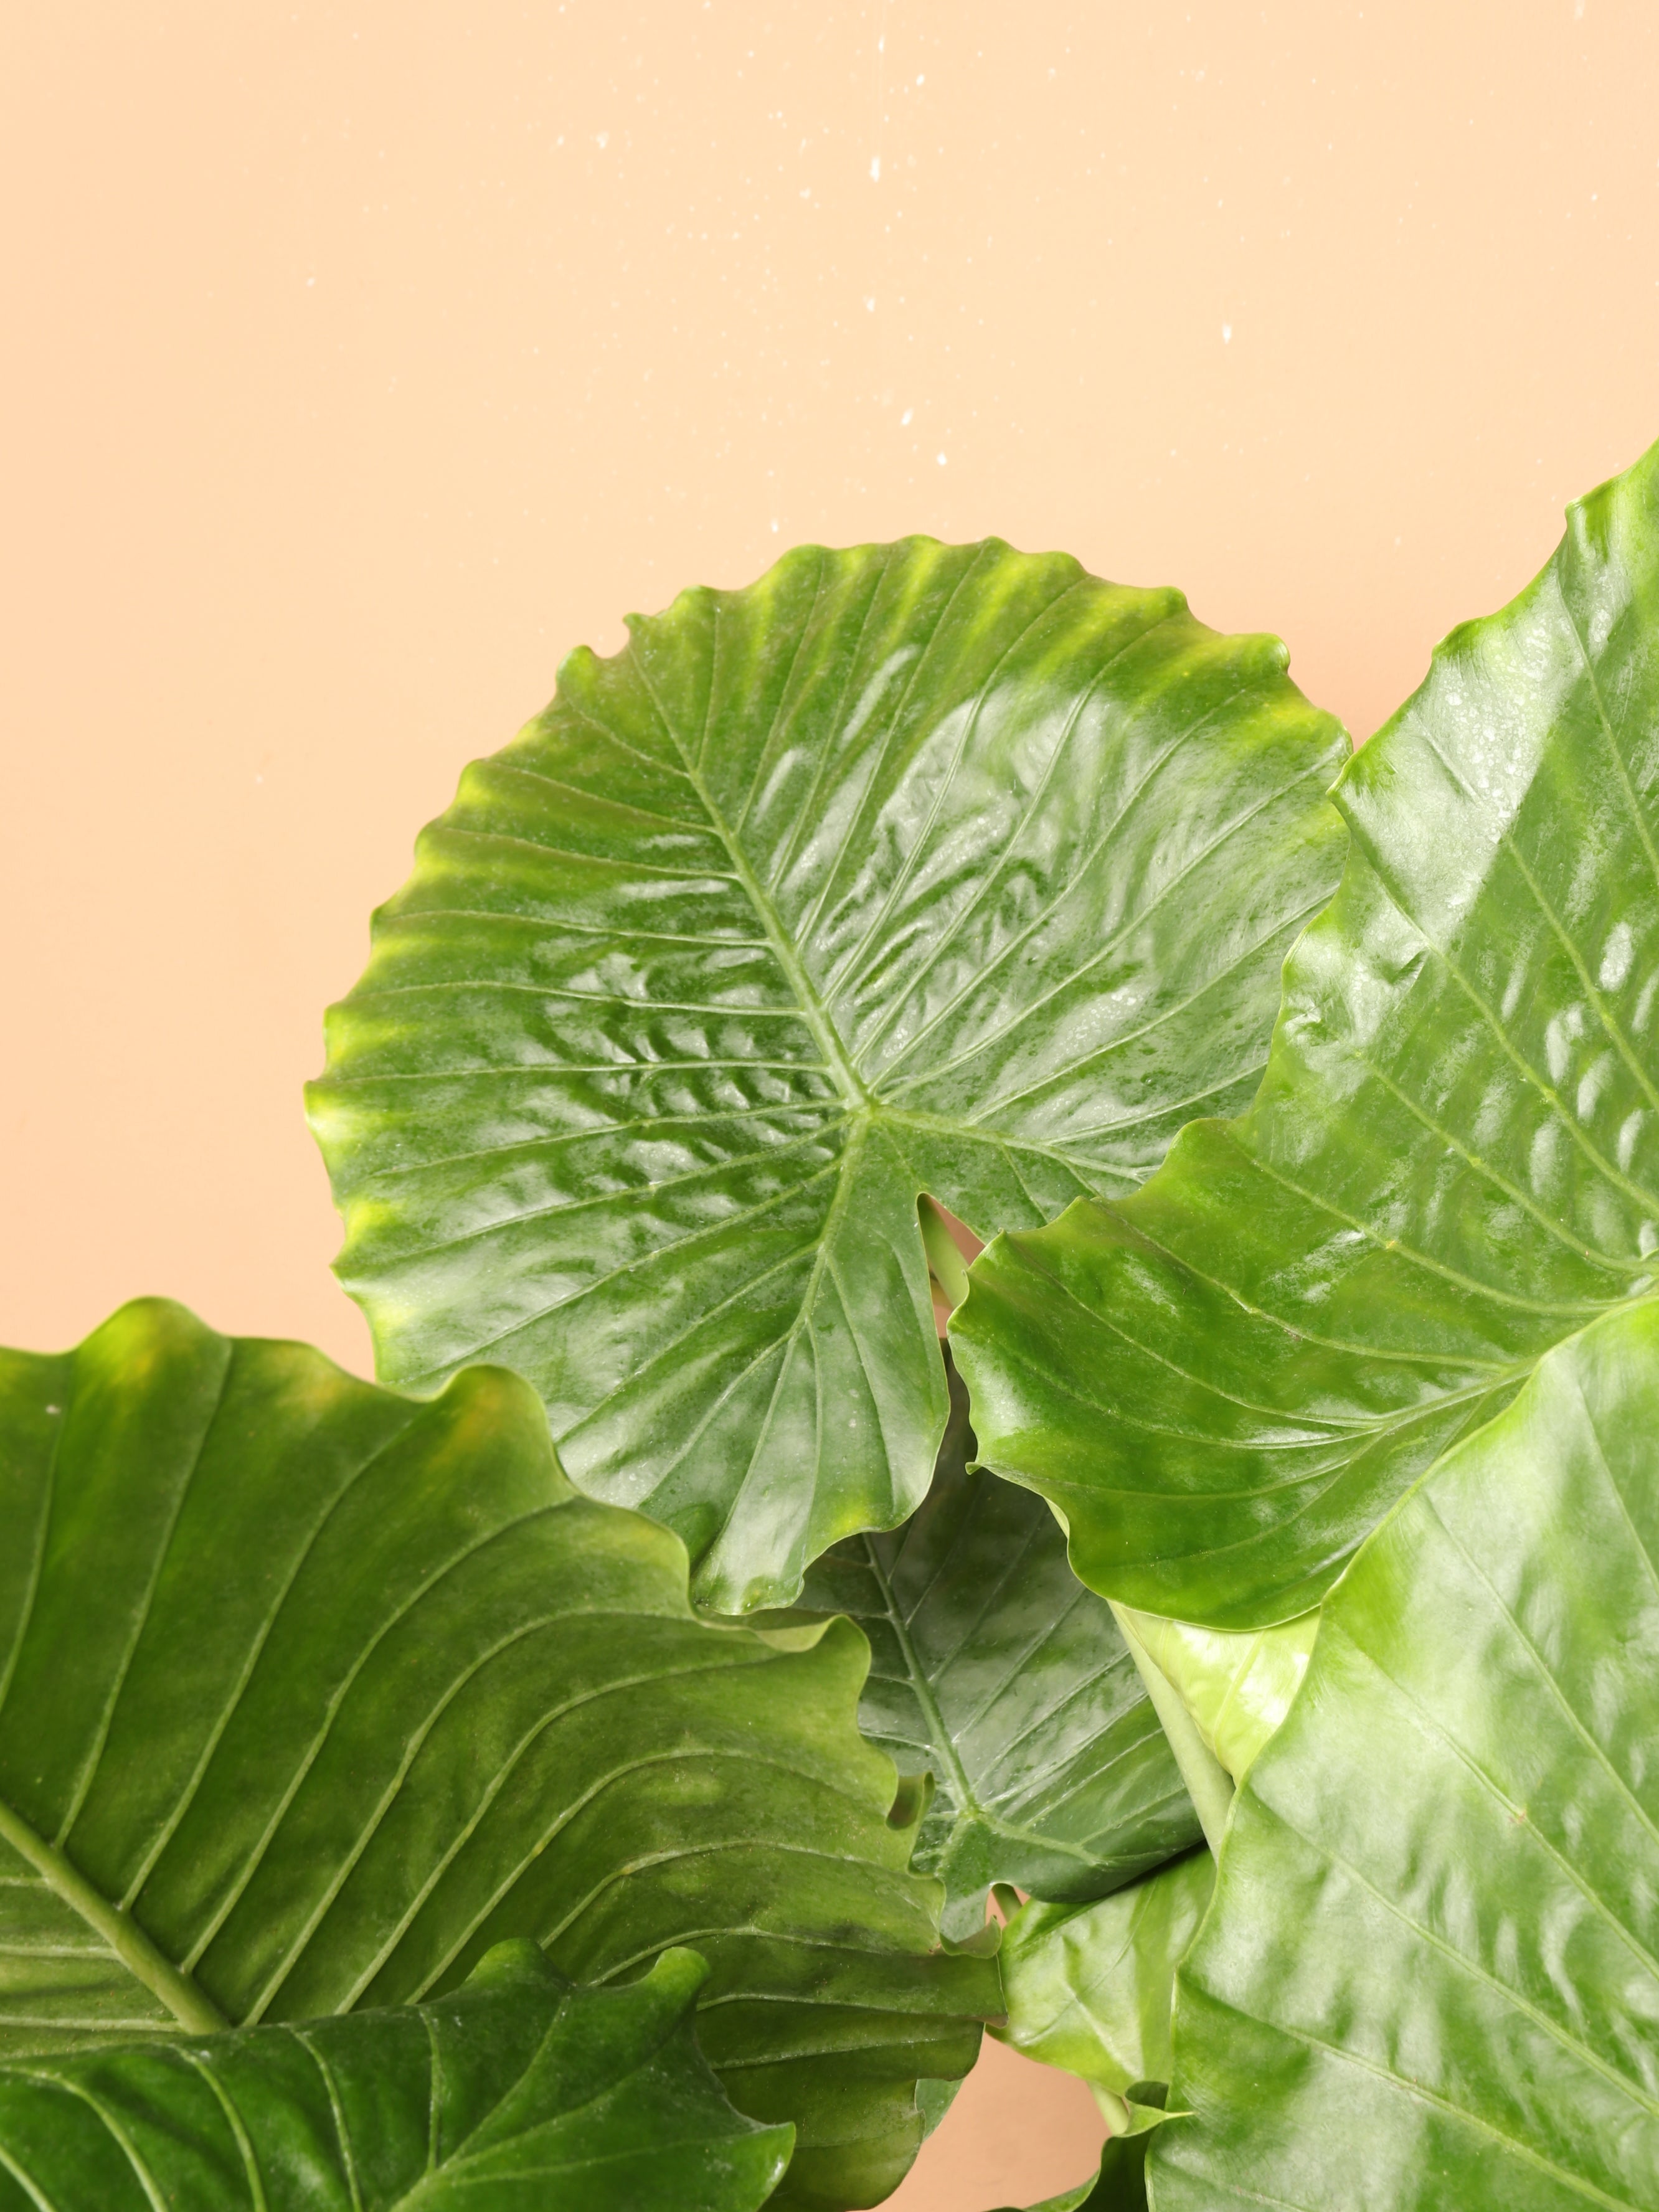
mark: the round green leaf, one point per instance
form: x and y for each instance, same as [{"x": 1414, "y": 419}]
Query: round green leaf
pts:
[
  {"x": 310, "y": 1695},
  {"x": 1453, "y": 1163},
  {"x": 911, "y": 868},
  {"x": 995, "y": 1671},
  {"x": 1430, "y": 1975},
  {"x": 516, "y": 2092}
]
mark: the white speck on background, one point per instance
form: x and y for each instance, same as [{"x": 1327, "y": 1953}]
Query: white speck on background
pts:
[
  {"x": 904, "y": 419},
  {"x": 1226, "y": 334},
  {"x": 603, "y": 138},
  {"x": 774, "y": 527},
  {"x": 940, "y": 460},
  {"x": 870, "y": 303},
  {"x": 875, "y": 168}
]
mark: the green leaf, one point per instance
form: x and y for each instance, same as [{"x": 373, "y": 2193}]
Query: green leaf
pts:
[
  {"x": 912, "y": 868},
  {"x": 1430, "y": 1975},
  {"x": 310, "y": 1695},
  {"x": 1453, "y": 1162},
  {"x": 994, "y": 1669},
  {"x": 1238, "y": 1688},
  {"x": 1121, "y": 2185},
  {"x": 516, "y": 2092},
  {"x": 1090, "y": 1987}
]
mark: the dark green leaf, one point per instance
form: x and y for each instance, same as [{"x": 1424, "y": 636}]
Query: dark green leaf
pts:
[
  {"x": 516, "y": 2093},
  {"x": 1121, "y": 2186},
  {"x": 1430, "y": 1975},
  {"x": 992, "y": 1668},
  {"x": 310, "y": 1695},
  {"x": 912, "y": 868},
  {"x": 1453, "y": 1162}
]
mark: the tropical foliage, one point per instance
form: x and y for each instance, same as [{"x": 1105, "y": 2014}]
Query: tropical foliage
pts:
[{"x": 572, "y": 1773}]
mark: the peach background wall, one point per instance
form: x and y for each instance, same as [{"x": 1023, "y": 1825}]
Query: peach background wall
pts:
[{"x": 362, "y": 359}]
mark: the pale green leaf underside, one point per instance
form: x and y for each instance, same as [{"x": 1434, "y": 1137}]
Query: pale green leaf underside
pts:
[
  {"x": 516, "y": 2093},
  {"x": 1453, "y": 1162},
  {"x": 992, "y": 1668},
  {"x": 1090, "y": 1987},
  {"x": 1237, "y": 1688},
  {"x": 911, "y": 868},
  {"x": 1430, "y": 1976},
  {"x": 309, "y": 1694}
]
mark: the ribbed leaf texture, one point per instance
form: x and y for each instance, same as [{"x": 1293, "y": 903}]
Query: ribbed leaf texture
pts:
[
  {"x": 1429, "y": 1976},
  {"x": 995, "y": 1671},
  {"x": 310, "y": 1695},
  {"x": 912, "y": 868},
  {"x": 1226, "y": 1380},
  {"x": 515, "y": 2093}
]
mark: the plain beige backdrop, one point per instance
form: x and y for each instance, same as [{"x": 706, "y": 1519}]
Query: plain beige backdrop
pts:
[{"x": 361, "y": 360}]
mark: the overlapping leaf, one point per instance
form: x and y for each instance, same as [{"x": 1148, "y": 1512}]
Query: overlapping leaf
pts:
[
  {"x": 1454, "y": 1160},
  {"x": 912, "y": 868},
  {"x": 1090, "y": 1987},
  {"x": 310, "y": 1695},
  {"x": 1237, "y": 1688},
  {"x": 995, "y": 1671},
  {"x": 515, "y": 2092},
  {"x": 1430, "y": 1976}
]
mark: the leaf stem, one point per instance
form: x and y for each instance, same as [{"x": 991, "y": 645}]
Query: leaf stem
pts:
[
  {"x": 944, "y": 1260},
  {"x": 1208, "y": 1783},
  {"x": 177, "y": 1992}
]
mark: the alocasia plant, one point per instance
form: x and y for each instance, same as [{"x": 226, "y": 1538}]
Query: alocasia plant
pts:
[
  {"x": 914, "y": 877},
  {"x": 913, "y": 868}
]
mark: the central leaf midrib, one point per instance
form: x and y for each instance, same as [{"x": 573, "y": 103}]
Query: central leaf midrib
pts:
[
  {"x": 816, "y": 1014},
  {"x": 939, "y": 1734},
  {"x": 184, "y": 1997}
]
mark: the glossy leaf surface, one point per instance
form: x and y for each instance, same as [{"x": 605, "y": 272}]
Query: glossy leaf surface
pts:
[
  {"x": 911, "y": 868},
  {"x": 1453, "y": 1162},
  {"x": 1430, "y": 1976},
  {"x": 994, "y": 1669},
  {"x": 1238, "y": 1688},
  {"x": 1088, "y": 1987},
  {"x": 310, "y": 1695},
  {"x": 515, "y": 2093}
]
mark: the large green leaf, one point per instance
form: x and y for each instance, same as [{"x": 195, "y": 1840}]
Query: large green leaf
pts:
[
  {"x": 912, "y": 868},
  {"x": 995, "y": 1670},
  {"x": 1453, "y": 1162},
  {"x": 516, "y": 2093},
  {"x": 1430, "y": 1975},
  {"x": 1088, "y": 1987},
  {"x": 309, "y": 1694}
]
